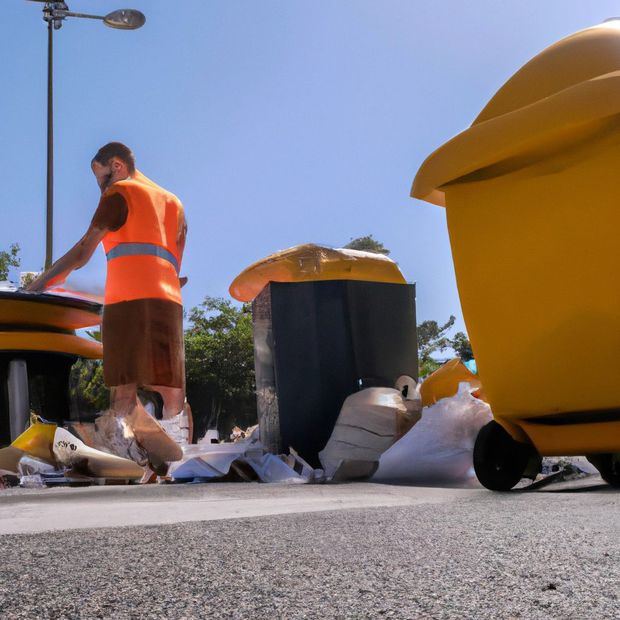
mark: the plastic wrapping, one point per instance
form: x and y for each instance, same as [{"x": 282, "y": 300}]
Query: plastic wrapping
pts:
[
  {"x": 31, "y": 466},
  {"x": 33, "y": 481},
  {"x": 36, "y": 441},
  {"x": 208, "y": 461}
]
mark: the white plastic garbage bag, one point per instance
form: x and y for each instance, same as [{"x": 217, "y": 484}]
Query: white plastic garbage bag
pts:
[{"x": 439, "y": 448}]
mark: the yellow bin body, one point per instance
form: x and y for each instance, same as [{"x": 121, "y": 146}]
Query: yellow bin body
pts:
[{"x": 532, "y": 194}]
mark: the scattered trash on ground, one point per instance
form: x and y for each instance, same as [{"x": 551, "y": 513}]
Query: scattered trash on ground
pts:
[
  {"x": 45, "y": 455},
  {"x": 238, "y": 434},
  {"x": 245, "y": 457},
  {"x": 383, "y": 433},
  {"x": 34, "y": 481},
  {"x": 561, "y": 469},
  {"x": 32, "y": 466},
  {"x": 76, "y": 458}
]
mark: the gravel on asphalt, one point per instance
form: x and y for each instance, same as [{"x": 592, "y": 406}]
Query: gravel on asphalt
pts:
[{"x": 505, "y": 556}]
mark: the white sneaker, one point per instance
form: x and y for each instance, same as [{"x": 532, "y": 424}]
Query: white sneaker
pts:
[{"x": 177, "y": 428}]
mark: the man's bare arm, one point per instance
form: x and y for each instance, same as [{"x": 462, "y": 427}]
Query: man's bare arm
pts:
[
  {"x": 181, "y": 235},
  {"x": 75, "y": 258}
]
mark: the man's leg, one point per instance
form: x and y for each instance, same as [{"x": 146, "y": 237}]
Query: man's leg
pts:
[
  {"x": 113, "y": 428},
  {"x": 148, "y": 433},
  {"x": 123, "y": 399},
  {"x": 174, "y": 399},
  {"x": 177, "y": 417}
]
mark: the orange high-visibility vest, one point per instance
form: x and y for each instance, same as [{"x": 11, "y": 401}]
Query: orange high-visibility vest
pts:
[{"x": 143, "y": 259}]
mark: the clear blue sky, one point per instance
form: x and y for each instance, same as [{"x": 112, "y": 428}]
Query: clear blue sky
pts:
[{"x": 277, "y": 122}]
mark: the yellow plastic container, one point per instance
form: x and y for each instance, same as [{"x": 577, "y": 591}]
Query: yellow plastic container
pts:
[
  {"x": 532, "y": 194},
  {"x": 309, "y": 262},
  {"x": 37, "y": 441},
  {"x": 444, "y": 382}
]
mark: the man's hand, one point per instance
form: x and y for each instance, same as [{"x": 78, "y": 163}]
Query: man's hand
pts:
[
  {"x": 39, "y": 284},
  {"x": 75, "y": 258}
]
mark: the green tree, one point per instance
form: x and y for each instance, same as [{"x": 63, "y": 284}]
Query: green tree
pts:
[
  {"x": 462, "y": 347},
  {"x": 9, "y": 259},
  {"x": 432, "y": 338},
  {"x": 219, "y": 364},
  {"x": 89, "y": 393},
  {"x": 367, "y": 244}
]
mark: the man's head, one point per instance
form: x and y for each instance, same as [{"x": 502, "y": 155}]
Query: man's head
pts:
[{"x": 113, "y": 162}]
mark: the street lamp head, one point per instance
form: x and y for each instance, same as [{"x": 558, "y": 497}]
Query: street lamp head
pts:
[{"x": 125, "y": 19}]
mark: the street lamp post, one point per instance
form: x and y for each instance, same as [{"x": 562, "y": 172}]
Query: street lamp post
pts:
[{"x": 54, "y": 13}]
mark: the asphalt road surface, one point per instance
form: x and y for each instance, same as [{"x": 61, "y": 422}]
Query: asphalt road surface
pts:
[{"x": 347, "y": 551}]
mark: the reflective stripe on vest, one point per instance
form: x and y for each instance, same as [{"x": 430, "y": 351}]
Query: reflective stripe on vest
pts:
[{"x": 143, "y": 249}]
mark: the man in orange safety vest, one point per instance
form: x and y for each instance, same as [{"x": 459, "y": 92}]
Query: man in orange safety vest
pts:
[{"x": 142, "y": 227}]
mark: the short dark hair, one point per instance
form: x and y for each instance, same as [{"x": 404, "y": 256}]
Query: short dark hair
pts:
[{"x": 115, "y": 149}]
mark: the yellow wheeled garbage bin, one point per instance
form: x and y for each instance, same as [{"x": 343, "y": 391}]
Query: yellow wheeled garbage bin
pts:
[{"x": 532, "y": 193}]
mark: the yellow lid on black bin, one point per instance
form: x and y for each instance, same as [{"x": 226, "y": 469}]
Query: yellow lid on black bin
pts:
[{"x": 310, "y": 262}]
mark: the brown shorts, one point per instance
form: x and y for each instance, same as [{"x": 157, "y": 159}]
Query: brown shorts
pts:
[{"x": 143, "y": 343}]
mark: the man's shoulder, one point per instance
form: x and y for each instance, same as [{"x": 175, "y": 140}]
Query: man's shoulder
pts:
[
  {"x": 111, "y": 213},
  {"x": 118, "y": 188},
  {"x": 146, "y": 184}
]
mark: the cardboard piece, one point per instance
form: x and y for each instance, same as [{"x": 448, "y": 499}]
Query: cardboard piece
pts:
[
  {"x": 369, "y": 423},
  {"x": 9, "y": 460},
  {"x": 72, "y": 453}
]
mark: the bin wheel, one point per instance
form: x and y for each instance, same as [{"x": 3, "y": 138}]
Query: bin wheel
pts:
[
  {"x": 500, "y": 461},
  {"x": 608, "y": 466}
]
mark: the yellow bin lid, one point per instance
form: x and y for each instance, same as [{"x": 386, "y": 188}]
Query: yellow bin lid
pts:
[
  {"x": 50, "y": 342},
  {"x": 45, "y": 311},
  {"x": 310, "y": 262},
  {"x": 567, "y": 93}
]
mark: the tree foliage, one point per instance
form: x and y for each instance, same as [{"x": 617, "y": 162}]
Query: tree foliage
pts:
[
  {"x": 89, "y": 393},
  {"x": 9, "y": 259},
  {"x": 462, "y": 347},
  {"x": 219, "y": 363},
  {"x": 367, "y": 244},
  {"x": 432, "y": 338}
]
